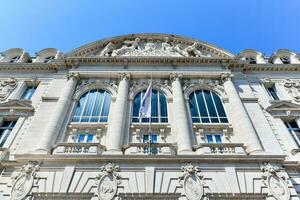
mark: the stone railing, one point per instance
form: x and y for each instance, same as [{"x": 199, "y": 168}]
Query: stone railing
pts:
[
  {"x": 78, "y": 148},
  {"x": 150, "y": 149},
  {"x": 221, "y": 148}
]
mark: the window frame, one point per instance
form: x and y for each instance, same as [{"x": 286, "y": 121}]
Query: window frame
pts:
[
  {"x": 292, "y": 130},
  {"x": 213, "y": 138},
  {"x": 159, "y": 110},
  {"x": 4, "y": 133}
]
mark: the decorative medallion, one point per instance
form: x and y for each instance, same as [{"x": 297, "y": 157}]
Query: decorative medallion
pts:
[
  {"x": 293, "y": 88},
  {"x": 192, "y": 182},
  {"x": 276, "y": 184},
  {"x": 24, "y": 181},
  {"x": 108, "y": 182}
]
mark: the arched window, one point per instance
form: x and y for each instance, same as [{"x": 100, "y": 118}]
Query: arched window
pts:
[
  {"x": 159, "y": 111},
  {"x": 206, "y": 107},
  {"x": 92, "y": 106}
]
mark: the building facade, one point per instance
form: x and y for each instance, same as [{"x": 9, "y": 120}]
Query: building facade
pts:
[{"x": 222, "y": 126}]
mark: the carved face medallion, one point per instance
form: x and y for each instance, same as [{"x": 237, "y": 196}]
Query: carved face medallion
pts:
[
  {"x": 107, "y": 187},
  {"x": 192, "y": 187},
  {"x": 278, "y": 188},
  {"x": 21, "y": 187}
]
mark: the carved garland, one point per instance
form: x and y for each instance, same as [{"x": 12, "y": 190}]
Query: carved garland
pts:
[
  {"x": 192, "y": 182},
  {"x": 276, "y": 183},
  {"x": 24, "y": 181},
  {"x": 293, "y": 88},
  {"x": 108, "y": 181}
]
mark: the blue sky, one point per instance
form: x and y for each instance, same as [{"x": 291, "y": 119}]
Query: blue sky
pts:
[{"x": 264, "y": 25}]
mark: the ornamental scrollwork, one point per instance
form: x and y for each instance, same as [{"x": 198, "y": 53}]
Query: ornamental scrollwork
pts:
[
  {"x": 89, "y": 84},
  {"x": 192, "y": 182},
  {"x": 7, "y": 87},
  {"x": 191, "y": 85},
  {"x": 23, "y": 182},
  {"x": 152, "y": 47},
  {"x": 108, "y": 181},
  {"x": 276, "y": 183},
  {"x": 293, "y": 88}
]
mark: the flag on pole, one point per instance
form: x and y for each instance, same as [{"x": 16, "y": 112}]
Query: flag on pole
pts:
[{"x": 145, "y": 110}]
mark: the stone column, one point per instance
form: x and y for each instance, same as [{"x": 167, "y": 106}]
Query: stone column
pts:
[
  {"x": 57, "y": 117},
  {"x": 115, "y": 132},
  {"x": 242, "y": 124},
  {"x": 180, "y": 117}
]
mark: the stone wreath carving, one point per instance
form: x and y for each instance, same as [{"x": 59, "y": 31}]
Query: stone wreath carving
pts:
[
  {"x": 276, "y": 183},
  {"x": 7, "y": 87},
  {"x": 23, "y": 182},
  {"x": 108, "y": 181},
  {"x": 192, "y": 182},
  {"x": 151, "y": 47},
  {"x": 293, "y": 88}
]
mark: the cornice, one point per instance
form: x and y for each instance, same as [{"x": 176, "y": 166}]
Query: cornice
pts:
[
  {"x": 237, "y": 65},
  {"x": 33, "y": 66}
]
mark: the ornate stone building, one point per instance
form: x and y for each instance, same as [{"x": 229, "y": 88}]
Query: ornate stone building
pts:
[{"x": 222, "y": 126}]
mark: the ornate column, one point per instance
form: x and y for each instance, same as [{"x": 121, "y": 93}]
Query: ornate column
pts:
[
  {"x": 116, "y": 126},
  {"x": 58, "y": 115},
  {"x": 180, "y": 117},
  {"x": 242, "y": 124}
]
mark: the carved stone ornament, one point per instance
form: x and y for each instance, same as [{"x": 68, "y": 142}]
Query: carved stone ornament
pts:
[
  {"x": 276, "y": 183},
  {"x": 151, "y": 47},
  {"x": 293, "y": 88},
  {"x": 138, "y": 85},
  {"x": 85, "y": 85},
  {"x": 108, "y": 181},
  {"x": 7, "y": 87},
  {"x": 24, "y": 181},
  {"x": 208, "y": 84},
  {"x": 192, "y": 182}
]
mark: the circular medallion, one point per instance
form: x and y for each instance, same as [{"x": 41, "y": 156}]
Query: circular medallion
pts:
[
  {"x": 192, "y": 187},
  {"x": 21, "y": 187},
  {"x": 107, "y": 187},
  {"x": 278, "y": 188}
]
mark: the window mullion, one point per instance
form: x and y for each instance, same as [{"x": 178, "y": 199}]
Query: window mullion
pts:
[
  {"x": 102, "y": 105},
  {"x": 215, "y": 106},
  {"x": 158, "y": 107},
  {"x": 207, "y": 111},
  {"x": 93, "y": 106}
]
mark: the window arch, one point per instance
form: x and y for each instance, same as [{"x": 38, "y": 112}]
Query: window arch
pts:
[
  {"x": 159, "y": 110},
  {"x": 206, "y": 107},
  {"x": 93, "y": 106}
]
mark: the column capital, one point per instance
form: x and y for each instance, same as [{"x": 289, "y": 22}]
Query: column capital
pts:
[
  {"x": 226, "y": 77},
  {"x": 176, "y": 76},
  {"x": 73, "y": 75},
  {"x": 124, "y": 76}
]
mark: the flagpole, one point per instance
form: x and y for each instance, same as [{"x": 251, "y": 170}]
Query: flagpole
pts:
[{"x": 150, "y": 119}]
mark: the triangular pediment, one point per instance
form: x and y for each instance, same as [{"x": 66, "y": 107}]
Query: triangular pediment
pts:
[
  {"x": 283, "y": 105},
  {"x": 149, "y": 45},
  {"x": 16, "y": 107}
]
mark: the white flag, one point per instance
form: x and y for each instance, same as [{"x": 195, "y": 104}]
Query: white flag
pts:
[{"x": 145, "y": 110}]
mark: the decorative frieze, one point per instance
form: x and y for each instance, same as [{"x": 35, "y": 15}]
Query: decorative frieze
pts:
[
  {"x": 7, "y": 87},
  {"x": 192, "y": 182},
  {"x": 24, "y": 181},
  {"x": 108, "y": 181},
  {"x": 276, "y": 183}
]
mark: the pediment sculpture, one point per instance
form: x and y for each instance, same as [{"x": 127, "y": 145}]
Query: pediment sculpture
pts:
[
  {"x": 276, "y": 183},
  {"x": 23, "y": 182},
  {"x": 151, "y": 47},
  {"x": 108, "y": 181},
  {"x": 192, "y": 182},
  {"x": 7, "y": 87}
]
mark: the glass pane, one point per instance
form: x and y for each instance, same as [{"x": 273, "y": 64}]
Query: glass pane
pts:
[
  {"x": 90, "y": 138},
  {"x": 145, "y": 138},
  {"x": 28, "y": 93},
  {"x": 218, "y": 138},
  {"x": 81, "y": 138},
  {"x": 210, "y": 105},
  {"x": 163, "y": 105},
  {"x": 193, "y": 106},
  {"x": 293, "y": 124},
  {"x": 4, "y": 136},
  {"x": 273, "y": 93},
  {"x": 106, "y": 105},
  {"x": 209, "y": 139},
  {"x": 219, "y": 105},
  {"x": 79, "y": 107},
  {"x": 153, "y": 138},
  {"x": 89, "y": 105},
  {"x": 201, "y": 104},
  {"x": 154, "y": 104},
  {"x": 98, "y": 103},
  {"x": 136, "y": 105}
]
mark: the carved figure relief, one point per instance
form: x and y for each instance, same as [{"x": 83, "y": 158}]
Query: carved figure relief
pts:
[
  {"x": 276, "y": 183},
  {"x": 7, "y": 87},
  {"x": 108, "y": 182},
  {"x": 151, "y": 47},
  {"x": 293, "y": 88},
  {"x": 24, "y": 181},
  {"x": 192, "y": 183}
]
